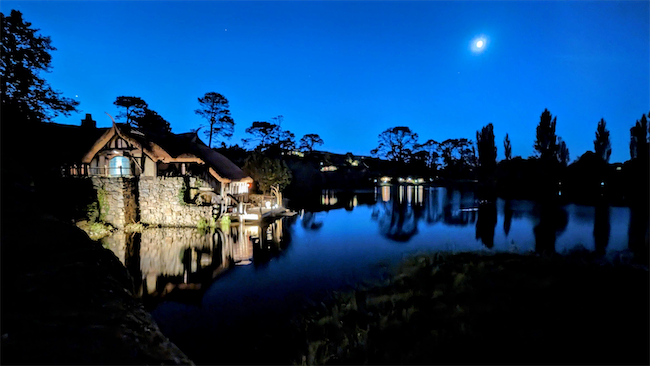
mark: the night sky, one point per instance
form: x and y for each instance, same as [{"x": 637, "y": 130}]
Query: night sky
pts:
[{"x": 349, "y": 70}]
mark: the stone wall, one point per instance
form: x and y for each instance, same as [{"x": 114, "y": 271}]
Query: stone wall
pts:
[
  {"x": 110, "y": 195},
  {"x": 162, "y": 201},
  {"x": 150, "y": 200}
]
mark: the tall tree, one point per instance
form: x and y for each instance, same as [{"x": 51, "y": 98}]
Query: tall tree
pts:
[
  {"x": 25, "y": 94},
  {"x": 134, "y": 108},
  {"x": 458, "y": 156},
  {"x": 602, "y": 146},
  {"x": 396, "y": 144},
  {"x": 487, "y": 150},
  {"x": 151, "y": 121},
  {"x": 507, "y": 148},
  {"x": 270, "y": 136},
  {"x": 563, "y": 153},
  {"x": 308, "y": 141},
  {"x": 639, "y": 139},
  {"x": 430, "y": 152},
  {"x": 267, "y": 172},
  {"x": 214, "y": 108},
  {"x": 546, "y": 145}
]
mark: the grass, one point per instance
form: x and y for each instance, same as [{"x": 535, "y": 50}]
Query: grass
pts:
[
  {"x": 136, "y": 227},
  {"x": 95, "y": 230},
  {"x": 472, "y": 308}
]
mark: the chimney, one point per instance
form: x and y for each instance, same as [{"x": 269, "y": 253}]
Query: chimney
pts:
[{"x": 88, "y": 122}]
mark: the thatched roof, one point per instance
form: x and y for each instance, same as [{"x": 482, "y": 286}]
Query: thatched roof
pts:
[{"x": 170, "y": 148}]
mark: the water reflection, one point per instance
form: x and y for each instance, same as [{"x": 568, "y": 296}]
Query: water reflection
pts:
[
  {"x": 487, "y": 221},
  {"x": 553, "y": 220},
  {"x": 601, "y": 228},
  {"x": 401, "y": 208},
  {"x": 638, "y": 230},
  {"x": 167, "y": 260},
  {"x": 507, "y": 217},
  {"x": 400, "y": 211}
]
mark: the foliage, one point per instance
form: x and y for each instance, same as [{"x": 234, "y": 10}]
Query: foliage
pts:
[
  {"x": 602, "y": 146},
  {"x": 457, "y": 154},
  {"x": 267, "y": 172},
  {"x": 546, "y": 146},
  {"x": 25, "y": 54},
  {"x": 215, "y": 109},
  {"x": 96, "y": 210},
  {"x": 308, "y": 142},
  {"x": 507, "y": 148},
  {"x": 487, "y": 150},
  {"x": 428, "y": 153},
  {"x": 396, "y": 144},
  {"x": 639, "y": 139},
  {"x": 134, "y": 108},
  {"x": 134, "y": 227},
  {"x": 205, "y": 224},
  {"x": 563, "y": 154},
  {"x": 182, "y": 192},
  {"x": 270, "y": 136},
  {"x": 151, "y": 121}
]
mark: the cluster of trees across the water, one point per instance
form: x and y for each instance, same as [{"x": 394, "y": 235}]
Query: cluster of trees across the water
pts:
[{"x": 272, "y": 155}]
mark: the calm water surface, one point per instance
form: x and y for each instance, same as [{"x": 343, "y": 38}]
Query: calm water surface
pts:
[{"x": 221, "y": 291}]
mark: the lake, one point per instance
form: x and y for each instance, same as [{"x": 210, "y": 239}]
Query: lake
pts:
[{"x": 227, "y": 296}]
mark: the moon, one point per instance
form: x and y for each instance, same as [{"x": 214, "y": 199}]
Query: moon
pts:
[{"x": 479, "y": 44}]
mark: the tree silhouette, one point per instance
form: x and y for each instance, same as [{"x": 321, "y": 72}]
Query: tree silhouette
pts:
[
  {"x": 26, "y": 95},
  {"x": 639, "y": 139},
  {"x": 308, "y": 141},
  {"x": 396, "y": 144},
  {"x": 430, "y": 153},
  {"x": 270, "y": 136},
  {"x": 507, "y": 148},
  {"x": 134, "y": 108},
  {"x": 214, "y": 108},
  {"x": 546, "y": 146},
  {"x": 151, "y": 121},
  {"x": 602, "y": 146},
  {"x": 487, "y": 150},
  {"x": 563, "y": 153},
  {"x": 457, "y": 153},
  {"x": 267, "y": 172}
]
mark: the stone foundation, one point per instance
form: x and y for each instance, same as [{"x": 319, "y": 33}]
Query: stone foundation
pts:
[{"x": 158, "y": 201}]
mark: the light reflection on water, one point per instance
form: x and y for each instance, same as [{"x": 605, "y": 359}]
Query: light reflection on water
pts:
[{"x": 344, "y": 238}]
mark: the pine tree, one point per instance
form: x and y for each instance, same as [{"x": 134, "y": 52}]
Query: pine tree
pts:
[
  {"x": 507, "y": 148},
  {"x": 26, "y": 96},
  {"x": 546, "y": 145},
  {"x": 602, "y": 146}
]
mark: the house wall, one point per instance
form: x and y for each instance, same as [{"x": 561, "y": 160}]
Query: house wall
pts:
[{"x": 150, "y": 200}]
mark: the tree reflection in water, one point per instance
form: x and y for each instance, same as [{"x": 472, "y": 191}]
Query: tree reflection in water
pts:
[
  {"x": 166, "y": 261},
  {"x": 553, "y": 220},
  {"x": 507, "y": 217},
  {"x": 401, "y": 207},
  {"x": 398, "y": 212},
  {"x": 638, "y": 233},
  {"x": 601, "y": 229},
  {"x": 486, "y": 222}
]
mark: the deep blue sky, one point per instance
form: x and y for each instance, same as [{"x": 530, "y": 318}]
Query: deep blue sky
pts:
[{"x": 349, "y": 70}]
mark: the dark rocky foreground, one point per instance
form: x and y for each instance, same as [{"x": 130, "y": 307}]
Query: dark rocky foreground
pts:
[{"x": 67, "y": 300}]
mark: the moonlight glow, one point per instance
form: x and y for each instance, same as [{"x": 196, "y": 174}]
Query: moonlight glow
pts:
[{"x": 478, "y": 44}]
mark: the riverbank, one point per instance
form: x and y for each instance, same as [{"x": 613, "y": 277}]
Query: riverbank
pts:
[
  {"x": 478, "y": 309},
  {"x": 67, "y": 300}
]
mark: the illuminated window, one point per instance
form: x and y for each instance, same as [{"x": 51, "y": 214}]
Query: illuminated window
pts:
[{"x": 119, "y": 166}]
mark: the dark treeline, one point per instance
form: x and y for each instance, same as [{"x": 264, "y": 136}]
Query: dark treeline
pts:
[{"x": 275, "y": 158}]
